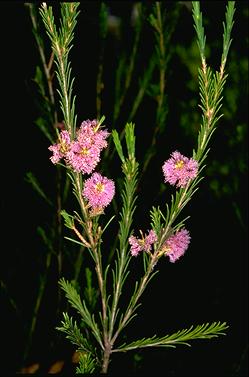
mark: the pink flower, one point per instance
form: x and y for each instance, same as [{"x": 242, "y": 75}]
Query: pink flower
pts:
[
  {"x": 179, "y": 170},
  {"x": 82, "y": 154},
  {"x": 90, "y": 135},
  {"x": 83, "y": 159},
  {"x": 143, "y": 244},
  {"x": 99, "y": 191},
  {"x": 176, "y": 245},
  {"x": 61, "y": 149},
  {"x": 149, "y": 240},
  {"x": 85, "y": 151},
  {"x": 136, "y": 245}
]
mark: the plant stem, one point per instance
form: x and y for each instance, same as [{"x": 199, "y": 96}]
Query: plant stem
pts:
[
  {"x": 106, "y": 359},
  {"x": 59, "y": 225},
  {"x": 117, "y": 293},
  {"x": 135, "y": 298},
  {"x": 78, "y": 184},
  {"x": 109, "y": 343},
  {"x": 93, "y": 238}
]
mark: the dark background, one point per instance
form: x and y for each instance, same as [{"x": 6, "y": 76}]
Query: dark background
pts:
[{"x": 209, "y": 284}]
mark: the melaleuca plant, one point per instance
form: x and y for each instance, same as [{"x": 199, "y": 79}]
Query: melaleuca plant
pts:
[{"x": 78, "y": 149}]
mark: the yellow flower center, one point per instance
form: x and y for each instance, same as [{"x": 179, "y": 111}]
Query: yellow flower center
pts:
[
  {"x": 141, "y": 242},
  {"x": 84, "y": 151},
  {"x": 63, "y": 146},
  {"x": 166, "y": 249},
  {"x": 179, "y": 164},
  {"x": 100, "y": 187}
]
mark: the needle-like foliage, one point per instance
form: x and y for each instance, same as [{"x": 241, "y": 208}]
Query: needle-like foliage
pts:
[
  {"x": 205, "y": 331},
  {"x": 61, "y": 44}
]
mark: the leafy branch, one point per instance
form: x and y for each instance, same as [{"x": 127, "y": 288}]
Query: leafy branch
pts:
[
  {"x": 227, "y": 27},
  {"x": 210, "y": 84},
  {"x": 201, "y": 38},
  {"x": 130, "y": 170},
  {"x": 205, "y": 331},
  {"x": 61, "y": 45},
  {"x": 88, "y": 358},
  {"x": 73, "y": 333},
  {"x": 75, "y": 301},
  {"x": 211, "y": 87}
]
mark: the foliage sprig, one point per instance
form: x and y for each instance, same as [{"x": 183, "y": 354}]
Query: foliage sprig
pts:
[
  {"x": 61, "y": 45},
  {"x": 205, "y": 331}
]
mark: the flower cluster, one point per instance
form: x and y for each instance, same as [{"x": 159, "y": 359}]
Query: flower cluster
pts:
[
  {"x": 176, "y": 245},
  {"x": 179, "y": 170},
  {"x": 82, "y": 154},
  {"x": 99, "y": 191},
  {"x": 85, "y": 151},
  {"x": 142, "y": 244}
]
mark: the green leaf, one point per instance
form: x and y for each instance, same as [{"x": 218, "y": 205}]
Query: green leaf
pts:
[
  {"x": 118, "y": 145},
  {"x": 75, "y": 241},
  {"x": 130, "y": 139},
  {"x": 69, "y": 220},
  {"x": 102, "y": 119}
]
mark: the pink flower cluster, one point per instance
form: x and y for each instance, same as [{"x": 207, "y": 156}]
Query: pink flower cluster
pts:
[
  {"x": 143, "y": 244},
  {"x": 82, "y": 154},
  {"x": 176, "y": 245},
  {"x": 99, "y": 191},
  {"x": 179, "y": 170}
]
